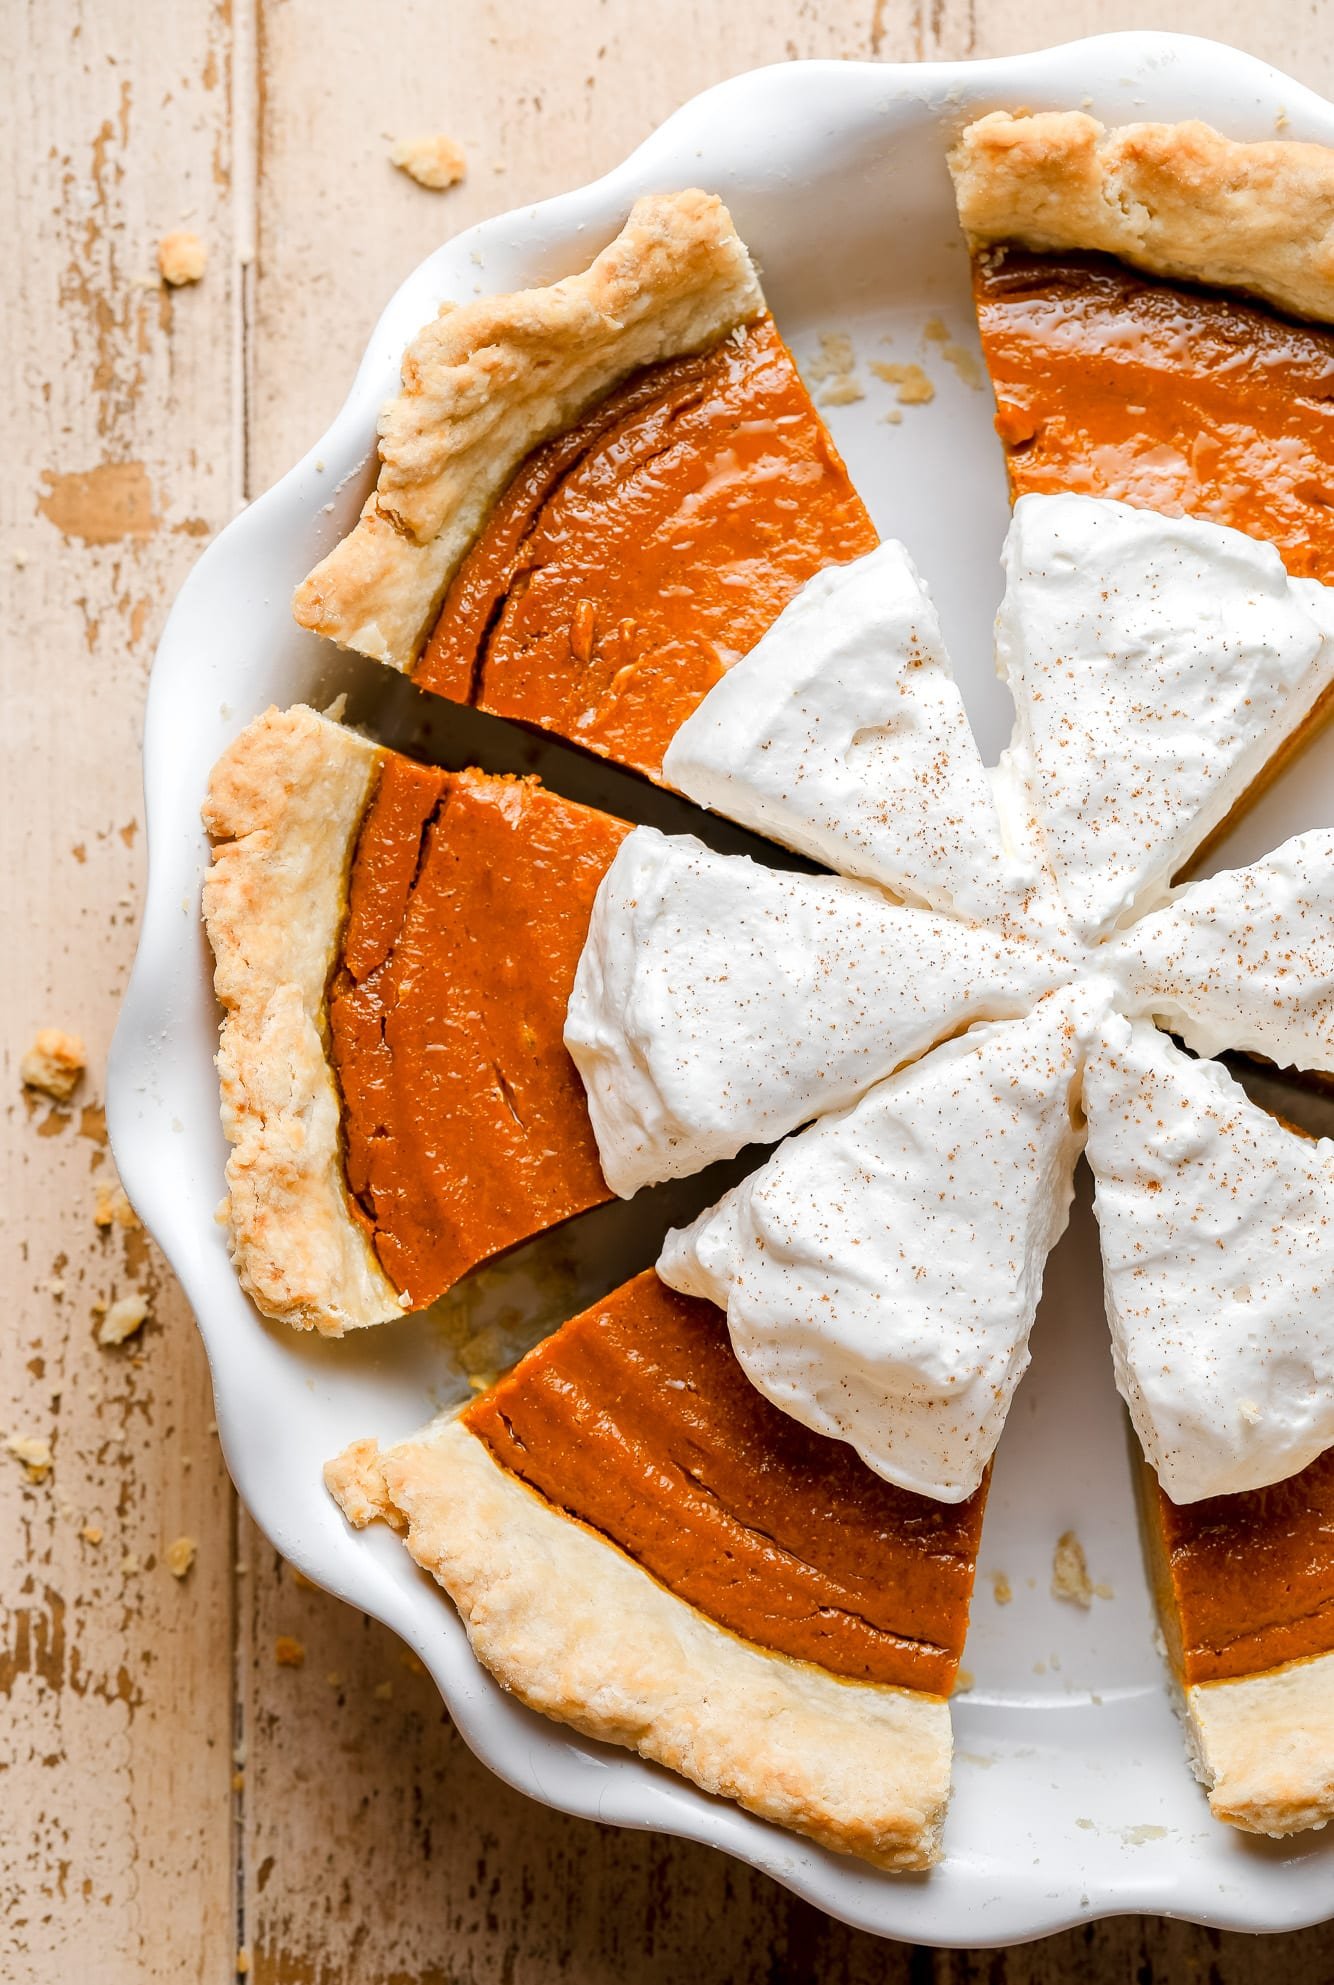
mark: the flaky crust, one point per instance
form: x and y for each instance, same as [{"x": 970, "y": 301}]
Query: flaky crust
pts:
[
  {"x": 487, "y": 381},
  {"x": 284, "y": 804},
  {"x": 1176, "y": 199},
  {"x": 577, "y": 1630},
  {"x": 1264, "y": 1746}
]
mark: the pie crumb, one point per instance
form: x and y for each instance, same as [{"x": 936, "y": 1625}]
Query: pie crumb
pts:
[
  {"x": 1070, "y": 1573},
  {"x": 964, "y": 363},
  {"x": 384, "y": 1692},
  {"x": 91, "y": 1533},
  {"x": 242, "y": 1962},
  {"x": 33, "y": 1452},
  {"x": 123, "y": 1318},
  {"x": 130, "y": 1562},
  {"x": 287, "y": 1652},
  {"x": 181, "y": 258},
  {"x": 180, "y": 1556},
  {"x": 835, "y": 369},
  {"x": 1001, "y": 1589},
  {"x": 963, "y": 1681},
  {"x": 914, "y": 388},
  {"x": 54, "y": 1063},
  {"x": 433, "y": 160}
]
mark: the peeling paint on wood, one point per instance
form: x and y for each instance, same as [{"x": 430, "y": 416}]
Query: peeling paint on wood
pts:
[{"x": 152, "y": 1743}]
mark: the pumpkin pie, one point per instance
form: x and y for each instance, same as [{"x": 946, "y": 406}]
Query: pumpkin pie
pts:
[
  {"x": 395, "y": 946},
  {"x": 593, "y": 497},
  {"x": 642, "y": 1546},
  {"x": 1156, "y": 307}
]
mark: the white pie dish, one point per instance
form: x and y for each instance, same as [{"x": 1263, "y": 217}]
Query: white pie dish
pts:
[{"x": 1072, "y": 1794}]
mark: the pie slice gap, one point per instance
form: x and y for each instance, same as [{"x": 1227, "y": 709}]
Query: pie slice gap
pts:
[
  {"x": 395, "y": 947},
  {"x": 594, "y": 497},
  {"x": 1156, "y": 309},
  {"x": 640, "y": 1545}
]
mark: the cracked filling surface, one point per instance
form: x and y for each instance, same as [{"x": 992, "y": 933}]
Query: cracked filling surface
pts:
[
  {"x": 636, "y": 557},
  {"x": 636, "y": 1419},
  {"x": 464, "y": 1118}
]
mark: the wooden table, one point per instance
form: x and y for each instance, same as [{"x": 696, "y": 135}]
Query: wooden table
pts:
[{"x": 172, "y": 1795}]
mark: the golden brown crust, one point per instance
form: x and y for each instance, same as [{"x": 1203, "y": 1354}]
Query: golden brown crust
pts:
[
  {"x": 1176, "y": 199},
  {"x": 581, "y": 1633},
  {"x": 284, "y": 804},
  {"x": 1264, "y": 1746},
  {"x": 487, "y": 381},
  {"x": 356, "y": 1482}
]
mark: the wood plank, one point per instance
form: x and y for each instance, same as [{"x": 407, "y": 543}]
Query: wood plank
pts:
[
  {"x": 115, "y": 1683},
  {"x": 374, "y": 1844}
]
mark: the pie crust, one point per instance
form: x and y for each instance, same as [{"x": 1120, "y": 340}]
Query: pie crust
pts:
[
  {"x": 1263, "y": 1746},
  {"x": 581, "y": 1633},
  {"x": 284, "y": 805},
  {"x": 487, "y": 381},
  {"x": 1176, "y": 199}
]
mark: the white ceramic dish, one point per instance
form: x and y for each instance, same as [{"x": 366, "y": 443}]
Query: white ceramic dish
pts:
[{"x": 1072, "y": 1796}]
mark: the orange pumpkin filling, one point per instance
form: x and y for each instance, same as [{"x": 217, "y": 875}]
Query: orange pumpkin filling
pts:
[
  {"x": 1246, "y": 1582},
  {"x": 464, "y": 1118},
  {"x": 1118, "y": 384},
  {"x": 1184, "y": 400},
  {"x": 637, "y": 1419},
  {"x": 634, "y": 558}
]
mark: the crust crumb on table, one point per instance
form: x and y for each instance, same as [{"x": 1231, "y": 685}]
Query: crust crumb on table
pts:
[
  {"x": 1001, "y": 1589},
  {"x": 180, "y": 1554},
  {"x": 124, "y": 1317},
  {"x": 181, "y": 258},
  {"x": 54, "y": 1063},
  {"x": 1070, "y": 1573},
  {"x": 91, "y": 1533},
  {"x": 432, "y": 159},
  {"x": 111, "y": 1208},
  {"x": 34, "y": 1452},
  {"x": 288, "y": 1652}
]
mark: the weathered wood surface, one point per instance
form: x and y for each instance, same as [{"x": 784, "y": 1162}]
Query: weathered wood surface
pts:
[{"x": 360, "y": 1841}]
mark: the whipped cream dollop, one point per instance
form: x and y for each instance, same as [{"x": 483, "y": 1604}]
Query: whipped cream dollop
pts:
[
  {"x": 881, "y": 1272},
  {"x": 1156, "y": 665},
  {"x": 719, "y": 1003},
  {"x": 1243, "y": 959},
  {"x": 1217, "y": 1229},
  {"x": 842, "y": 734}
]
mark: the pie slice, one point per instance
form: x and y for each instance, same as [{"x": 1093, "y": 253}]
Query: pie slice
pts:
[
  {"x": 593, "y": 498},
  {"x": 395, "y": 947},
  {"x": 1155, "y": 305},
  {"x": 641, "y": 1546},
  {"x": 1245, "y": 1592}
]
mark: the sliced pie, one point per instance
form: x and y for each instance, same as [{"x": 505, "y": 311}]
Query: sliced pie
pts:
[
  {"x": 642, "y": 1546},
  {"x": 395, "y": 949},
  {"x": 1155, "y": 306},
  {"x": 593, "y": 498}
]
